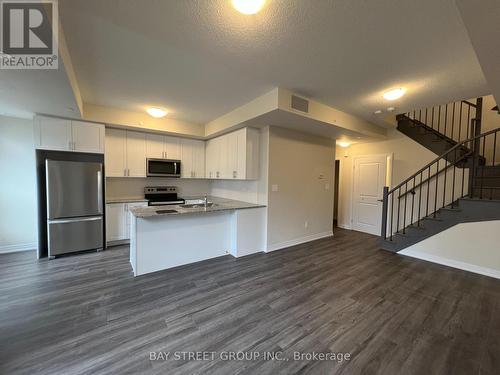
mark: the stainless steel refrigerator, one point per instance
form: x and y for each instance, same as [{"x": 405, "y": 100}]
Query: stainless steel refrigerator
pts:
[{"x": 74, "y": 206}]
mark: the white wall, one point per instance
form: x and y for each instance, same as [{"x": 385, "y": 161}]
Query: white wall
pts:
[
  {"x": 408, "y": 157},
  {"x": 468, "y": 246},
  {"x": 17, "y": 185},
  {"x": 302, "y": 167}
]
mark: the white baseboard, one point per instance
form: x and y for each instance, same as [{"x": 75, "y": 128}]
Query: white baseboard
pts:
[
  {"x": 17, "y": 247},
  {"x": 344, "y": 226},
  {"x": 298, "y": 241},
  {"x": 452, "y": 263}
]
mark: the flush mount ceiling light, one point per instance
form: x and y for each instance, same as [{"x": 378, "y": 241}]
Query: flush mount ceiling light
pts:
[
  {"x": 156, "y": 112},
  {"x": 394, "y": 93},
  {"x": 248, "y": 6},
  {"x": 344, "y": 144}
]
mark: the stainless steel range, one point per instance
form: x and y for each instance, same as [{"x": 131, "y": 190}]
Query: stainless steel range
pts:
[{"x": 162, "y": 195}]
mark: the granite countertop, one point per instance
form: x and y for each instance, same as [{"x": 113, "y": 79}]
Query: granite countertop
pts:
[
  {"x": 125, "y": 200},
  {"x": 219, "y": 204}
]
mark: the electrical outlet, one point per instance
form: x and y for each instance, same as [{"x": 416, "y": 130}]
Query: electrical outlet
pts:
[
  {"x": 274, "y": 187},
  {"x": 327, "y": 186},
  {"x": 306, "y": 224}
]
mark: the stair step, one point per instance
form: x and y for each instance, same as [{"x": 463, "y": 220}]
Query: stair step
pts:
[
  {"x": 487, "y": 193},
  {"x": 488, "y": 171},
  {"x": 492, "y": 181},
  {"x": 431, "y": 218},
  {"x": 449, "y": 209}
]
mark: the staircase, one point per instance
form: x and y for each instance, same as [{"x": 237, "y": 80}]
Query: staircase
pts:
[{"x": 461, "y": 185}]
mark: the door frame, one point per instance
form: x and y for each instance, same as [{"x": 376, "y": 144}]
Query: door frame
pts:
[{"x": 388, "y": 177}]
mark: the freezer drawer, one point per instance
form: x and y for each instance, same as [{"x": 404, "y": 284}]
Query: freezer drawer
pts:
[{"x": 70, "y": 235}]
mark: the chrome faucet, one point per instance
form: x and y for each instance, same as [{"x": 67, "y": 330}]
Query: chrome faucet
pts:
[{"x": 205, "y": 201}]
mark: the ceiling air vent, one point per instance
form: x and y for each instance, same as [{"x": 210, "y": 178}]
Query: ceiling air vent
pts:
[{"x": 300, "y": 104}]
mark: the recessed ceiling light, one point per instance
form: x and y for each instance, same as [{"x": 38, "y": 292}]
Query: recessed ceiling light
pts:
[
  {"x": 343, "y": 144},
  {"x": 391, "y": 109},
  {"x": 248, "y": 6},
  {"x": 378, "y": 112},
  {"x": 156, "y": 112},
  {"x": 394, "y": 93}
]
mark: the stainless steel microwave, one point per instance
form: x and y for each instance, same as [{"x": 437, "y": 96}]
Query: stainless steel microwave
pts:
[{"x": 163, "y": 168}]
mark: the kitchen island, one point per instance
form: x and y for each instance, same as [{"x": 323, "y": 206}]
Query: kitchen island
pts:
[{"x": 163, "y": 237}]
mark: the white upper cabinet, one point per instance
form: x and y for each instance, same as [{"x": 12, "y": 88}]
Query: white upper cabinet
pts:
[
  {"x": 125, "y": 153},
  {"x": 248, "y": 154},
  {"x": 67, "y": 135},
  {"x": 173, "y": 148},
  {"x": 192, "y": 158},
  {"x": 136, "y": 154},
  {"x": 231, "y": 170},
  {"x": 163, "y": 147},
  {"x": 53, "y": 134},
  {"x": 213, "y": 158},
  {"x": 234, "y": 156},
  {"x": 199, "y": 159},
  {"x": 88, "y": 137},
  {"x": 115, "y": 157},
  {"x": 155, "y": 146}
]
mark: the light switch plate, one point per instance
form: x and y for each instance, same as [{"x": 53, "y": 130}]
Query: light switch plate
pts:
[{"x": 274, "y": 187}]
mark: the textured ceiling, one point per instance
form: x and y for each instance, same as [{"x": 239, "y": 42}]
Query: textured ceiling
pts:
[{"x": 201, "y": 59}]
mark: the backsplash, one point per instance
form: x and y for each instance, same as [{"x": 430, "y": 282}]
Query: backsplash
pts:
[{"x": 119, "y": 188}]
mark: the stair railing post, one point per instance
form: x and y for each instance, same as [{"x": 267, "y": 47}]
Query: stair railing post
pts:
[
  {"x": 385, "y": 209},
  {"x": 476, "y": 122}
]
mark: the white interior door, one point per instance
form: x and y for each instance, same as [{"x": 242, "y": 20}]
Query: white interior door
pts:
[{"x": 368, "y": 184}]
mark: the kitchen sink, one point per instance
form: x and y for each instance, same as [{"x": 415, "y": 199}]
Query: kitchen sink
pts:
[
  {"x": 166, "y": 211},
  {"x": 197, "y": 205}
]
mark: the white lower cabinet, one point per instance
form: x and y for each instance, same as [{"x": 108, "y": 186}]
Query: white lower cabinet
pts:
[{"x": 118, "y": 220}]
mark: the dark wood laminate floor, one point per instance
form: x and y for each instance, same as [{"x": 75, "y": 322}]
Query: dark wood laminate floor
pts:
[{"x": 87, "y": 314}]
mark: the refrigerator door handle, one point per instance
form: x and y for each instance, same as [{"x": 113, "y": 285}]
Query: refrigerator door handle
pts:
[
  {"x": 75, "y": 220},
  {"x": 99, "y": 191}
]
